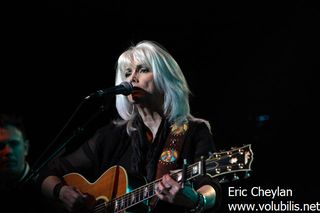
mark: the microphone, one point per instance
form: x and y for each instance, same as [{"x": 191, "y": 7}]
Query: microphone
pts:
[{"x": 124, "y": 88}]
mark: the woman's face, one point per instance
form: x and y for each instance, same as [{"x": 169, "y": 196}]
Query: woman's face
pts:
[{"x": 141, "y": 77}]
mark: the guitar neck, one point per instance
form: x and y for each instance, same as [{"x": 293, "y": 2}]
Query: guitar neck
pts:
[
  {"x": 148, "y": 191},
  {"x": 235, "y": 160}
]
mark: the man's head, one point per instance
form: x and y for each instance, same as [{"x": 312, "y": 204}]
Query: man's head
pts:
[{"x": 13, "y": 146}]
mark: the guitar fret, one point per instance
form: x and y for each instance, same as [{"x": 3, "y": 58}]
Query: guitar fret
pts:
[
  {"x": 133, "y": 198},
  {"x": 145, "y": 192},
  {"x": 122, "y": 203},
  {"x": 116, "y": 206},
  {"x": 140, "y": 194},
  {"x": 126, "y": 201},
  {"x": 152, "y": 190}
]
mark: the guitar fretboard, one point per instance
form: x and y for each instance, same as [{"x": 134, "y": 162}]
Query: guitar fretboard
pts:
[
  {"x": 147, "y": 191},
  {"x": 236, "y": 160}
]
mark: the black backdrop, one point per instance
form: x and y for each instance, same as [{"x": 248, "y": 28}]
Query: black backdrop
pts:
[{"x": 245, "y": 62}]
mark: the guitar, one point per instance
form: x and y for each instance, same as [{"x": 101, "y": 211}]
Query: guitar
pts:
[{"x": 114, "y": 192}]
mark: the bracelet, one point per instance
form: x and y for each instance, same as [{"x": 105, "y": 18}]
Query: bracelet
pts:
[
  {"x": 200, "y": 204},
  {"x": 57, "y": 189}
]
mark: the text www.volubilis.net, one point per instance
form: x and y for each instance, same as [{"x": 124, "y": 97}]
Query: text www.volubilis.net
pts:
[{"x": 272, "y": 206}]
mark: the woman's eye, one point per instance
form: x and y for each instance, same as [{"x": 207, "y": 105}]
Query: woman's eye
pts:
[
  {"x": 127, "y": 74},
  {"x": 144, "y": 70}
]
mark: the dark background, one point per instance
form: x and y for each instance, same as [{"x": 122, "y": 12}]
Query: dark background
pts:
[{"x": 244, "y": 61}]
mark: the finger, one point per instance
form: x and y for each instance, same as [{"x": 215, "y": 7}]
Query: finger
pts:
[
  {"x": 160, "y": 196},
  {"x": 80, "y": 193},
  {"x": 161, "y": 187},
  {"x": 167, "y": 185},
  {"x": 167, "y": 180},
  {"x": 75, "y": 193},
  {"x": 174, "y": 191},
  {"x": 158, "y": 190},
  {"x": 172, "y": 186},
  {"x": 163, "y": 195},
  {"x": 161, "y": 191}
]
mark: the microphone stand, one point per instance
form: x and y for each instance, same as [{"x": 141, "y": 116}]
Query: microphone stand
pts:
[{"x": 34, "y": 171}]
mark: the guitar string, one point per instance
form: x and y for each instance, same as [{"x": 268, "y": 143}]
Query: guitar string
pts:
[
  {"x": 139, "y": 191},
  {"x": 126, "y": 197}
]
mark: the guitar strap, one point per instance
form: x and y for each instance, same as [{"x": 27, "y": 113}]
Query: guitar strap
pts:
[
  {"x": 168, "y": 159},
  {"x": 172, "y": 149}
]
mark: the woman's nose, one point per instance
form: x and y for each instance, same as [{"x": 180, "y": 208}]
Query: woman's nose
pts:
[{"x": 134, "y": 77}]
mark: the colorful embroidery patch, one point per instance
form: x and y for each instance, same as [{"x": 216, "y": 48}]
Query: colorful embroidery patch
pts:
[
  {"x": 178, "y": 130},
  {"x": 169, "y": 156}
]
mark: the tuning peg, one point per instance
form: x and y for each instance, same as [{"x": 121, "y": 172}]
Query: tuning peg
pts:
[
  {"x": 235, "y": 177},
  {"x": 247, "y": 175},
  {"x": 224, "y": 180}
]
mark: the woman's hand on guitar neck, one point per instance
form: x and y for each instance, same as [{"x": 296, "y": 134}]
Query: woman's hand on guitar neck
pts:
[{"x": 171, "y": 191}]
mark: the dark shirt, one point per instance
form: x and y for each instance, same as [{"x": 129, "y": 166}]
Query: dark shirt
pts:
[
  {"x": 20, "y": 196},
  {"x": 111, "y": 145}
]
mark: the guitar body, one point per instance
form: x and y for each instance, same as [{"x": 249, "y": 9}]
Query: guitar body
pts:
[
  {"x": 110, "y": 185},
  {"x": 116, "y": 191}
]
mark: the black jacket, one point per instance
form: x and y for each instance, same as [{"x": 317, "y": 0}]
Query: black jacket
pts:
[{"x": 111, "y": 145}]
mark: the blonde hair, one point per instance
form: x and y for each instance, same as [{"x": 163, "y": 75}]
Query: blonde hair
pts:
[{"x": 168, "y": 79}]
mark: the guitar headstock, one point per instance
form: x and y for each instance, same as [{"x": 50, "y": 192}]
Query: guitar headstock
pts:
[{"x": 231, "y": 161}]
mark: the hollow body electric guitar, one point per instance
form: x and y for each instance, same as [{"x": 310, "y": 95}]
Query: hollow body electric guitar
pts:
[{"x": 115, "y": 191}]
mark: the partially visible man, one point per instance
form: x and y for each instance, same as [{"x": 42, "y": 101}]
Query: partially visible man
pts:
[
  {"x": 13, "y": 151},
  {"x": 17, "y": 191}
]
